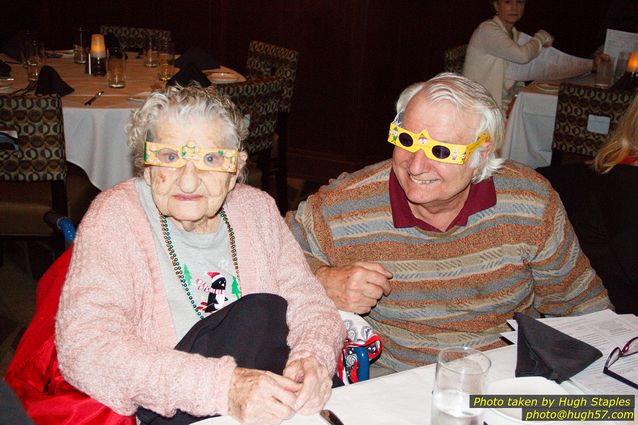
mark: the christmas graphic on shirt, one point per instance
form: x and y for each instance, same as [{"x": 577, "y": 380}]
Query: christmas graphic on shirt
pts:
[{"x": 212, "y": 290}]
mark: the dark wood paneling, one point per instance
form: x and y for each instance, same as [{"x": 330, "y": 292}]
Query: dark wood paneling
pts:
[{"x": 355, "y": 56}]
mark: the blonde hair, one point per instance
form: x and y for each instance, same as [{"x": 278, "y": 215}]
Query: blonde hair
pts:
[{"x": 622, "y": 143}]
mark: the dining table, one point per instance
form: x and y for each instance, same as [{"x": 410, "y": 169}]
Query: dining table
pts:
[
  {"x": 529, "y": 129},
  {"x": 405, "y": 398},
  {"x": 95, "y": 135}
]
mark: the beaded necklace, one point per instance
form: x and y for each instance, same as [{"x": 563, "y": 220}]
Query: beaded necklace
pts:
[{"x": 178, "y": 268}]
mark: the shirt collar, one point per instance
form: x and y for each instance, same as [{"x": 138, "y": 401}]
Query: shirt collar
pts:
[{"x": 482, "y": 196}]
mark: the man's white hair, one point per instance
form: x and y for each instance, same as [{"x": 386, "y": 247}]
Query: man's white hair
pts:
[{"x": 467, "y": 97}]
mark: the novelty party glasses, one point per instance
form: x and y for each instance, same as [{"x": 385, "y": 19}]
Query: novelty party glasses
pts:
[
  {"x": 205, "y": 159},
  {"x": 448, "y": 153}
]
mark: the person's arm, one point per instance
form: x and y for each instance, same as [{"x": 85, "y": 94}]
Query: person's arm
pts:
[
  {"x": 496, "y": 42},
  {"x": 352, "y": 287},
  {"x": 105, "y": 347},
  {"x": 564, "y": 282},
  {"x": 316, "y": 331}
]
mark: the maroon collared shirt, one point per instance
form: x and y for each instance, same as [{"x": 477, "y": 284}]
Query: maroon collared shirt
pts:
[{"x": 482, "y": 196}]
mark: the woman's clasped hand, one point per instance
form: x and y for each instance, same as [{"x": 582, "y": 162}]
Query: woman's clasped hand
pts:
[{"x": 258, "y": 397}]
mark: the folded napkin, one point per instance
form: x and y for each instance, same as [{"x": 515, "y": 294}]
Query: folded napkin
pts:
[
  {"x": 15, "y": 46},
  {"x": 50, "y": 82},
  {"x": 198, "y": 57},
  {"x": 5, "y": 69},
  {"x": 111, "y": 40},
  {"x": 187, "y": 74},
  {"x": 545, "y": 351}
]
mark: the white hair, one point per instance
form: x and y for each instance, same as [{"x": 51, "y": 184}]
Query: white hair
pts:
[
  {"x": 467, "y": 97},
  {"x": 183, "y": 103}
]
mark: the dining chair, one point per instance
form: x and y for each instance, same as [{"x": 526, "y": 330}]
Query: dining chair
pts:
[
  {"x": 454, "y": 58},
  {"x": 584, "y": 118},
  {"x": 133, "y": 38},
  {"x": 258, "y": 99},
  {"x": 270, "y": 60},
  {"x": 34, "y": 175}
]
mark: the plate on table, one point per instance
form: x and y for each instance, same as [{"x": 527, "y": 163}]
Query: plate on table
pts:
[
  {"x": 548, "y": 87},
  {"x": 140, "y": 97},
  {"x": 527, "y": 386},
  {"x": 220, "y": 77}
]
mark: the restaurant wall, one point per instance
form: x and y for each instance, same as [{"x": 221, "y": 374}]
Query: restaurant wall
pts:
[{"x": 355, "y": 56}]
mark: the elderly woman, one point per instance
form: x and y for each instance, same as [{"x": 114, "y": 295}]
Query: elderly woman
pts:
[
  {"x": 185, "y": 252},
  {"x": 495, "y": 43}
]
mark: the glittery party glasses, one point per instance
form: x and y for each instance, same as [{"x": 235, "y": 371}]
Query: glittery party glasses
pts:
[{"x": 205, "y": 159}]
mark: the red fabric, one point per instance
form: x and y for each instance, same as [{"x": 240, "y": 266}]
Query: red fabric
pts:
[
  {"x": 33, "y": 372},
  {"x": 630, "y": 160}
]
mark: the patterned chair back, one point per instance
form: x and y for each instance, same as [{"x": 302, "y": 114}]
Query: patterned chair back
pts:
[
  {"x": 134, "y": 38},
  {"x": 39, "y": 154},
  {"x": 454, "y": 58},
  {"x": 266, "y": 60},
  {"x": 260, "y": 99},
  {"x": 576, "y": 105}
]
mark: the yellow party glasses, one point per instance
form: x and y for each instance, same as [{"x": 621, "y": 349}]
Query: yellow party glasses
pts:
[
  {"x": 448, "y": 153},
  {"x": 205, "y": 159}
]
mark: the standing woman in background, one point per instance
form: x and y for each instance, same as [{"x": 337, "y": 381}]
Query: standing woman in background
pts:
[{"x": 494, "y": 44}]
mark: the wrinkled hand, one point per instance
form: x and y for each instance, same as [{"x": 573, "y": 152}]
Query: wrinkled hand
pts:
[
  {"x": 544, "y": 37},
  {"x": 356, "y": 287},
  {"x": 258, "y": 397},
  {"x": 316, "y": 382}
]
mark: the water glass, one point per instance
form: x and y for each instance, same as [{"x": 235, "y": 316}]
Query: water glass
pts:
[
  {"x": 604, "y": 73},
  {"x": 151, "y": 52},
  {"x": 116, "y": 67},
  {"x": 80, "y": 45},
  {"x": 460, "y": 372},
  {"x": 166, "y": 61},
  {"x": 35, "y": 57}
]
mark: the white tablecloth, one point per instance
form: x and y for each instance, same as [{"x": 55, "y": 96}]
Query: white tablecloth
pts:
[
  {"x": 95, "y": 136},
  {"x": 530, "y": 127},
  {"x": 402, "y": 398}
]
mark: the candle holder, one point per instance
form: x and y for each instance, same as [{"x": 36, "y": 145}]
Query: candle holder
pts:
[{"x": 98, "y": 55}]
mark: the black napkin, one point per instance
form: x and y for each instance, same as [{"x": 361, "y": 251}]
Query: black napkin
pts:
[
  {"x": 545, "y": 351},
  {"x": 50, "y": 82},
  {"x": 111, "y": 40},
  {"x": 187, "y": 74},
  {"x": 15, "y": 46},
  {"x": 198, "y": 57},
  {"x": 5, "y": 69}
]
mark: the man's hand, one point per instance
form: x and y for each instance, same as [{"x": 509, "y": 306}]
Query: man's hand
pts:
[
  {"x": 257, "y": 397},
  {"x": 356, "y": 287},
  {"x": 316, "y": 382}
]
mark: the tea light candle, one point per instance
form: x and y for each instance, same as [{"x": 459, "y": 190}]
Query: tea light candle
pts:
[
  {"x": 98, "y": 48},
  {"x": 632, "y": 64}
]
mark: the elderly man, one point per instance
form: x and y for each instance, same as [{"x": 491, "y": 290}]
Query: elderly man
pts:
[{"x": 444, "y": 242}]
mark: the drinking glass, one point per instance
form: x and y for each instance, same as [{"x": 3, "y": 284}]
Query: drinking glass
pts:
[
  {"x": 116, "y": 67},
  {"x": 166, "y": 60},
  {"x": 151, "y": 52},
  {"x": 460, "y": 372},
  {"x": 35, "y": 57},
  {"x": 80, "y": 45},
  {"x": 604, "y": 73}
]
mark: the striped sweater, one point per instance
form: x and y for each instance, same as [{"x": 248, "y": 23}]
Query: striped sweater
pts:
[{"x": 456, "y": 287}]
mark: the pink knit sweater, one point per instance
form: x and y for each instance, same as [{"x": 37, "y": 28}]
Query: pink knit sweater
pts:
[{"x": 114, "y": 332}]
